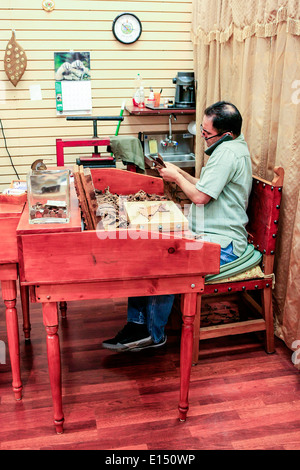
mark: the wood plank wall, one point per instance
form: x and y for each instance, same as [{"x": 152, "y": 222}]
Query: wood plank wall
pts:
[{"x": 31, "y": 127}]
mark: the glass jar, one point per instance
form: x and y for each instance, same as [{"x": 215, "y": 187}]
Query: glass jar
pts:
[{"x": 48, "y": 194}]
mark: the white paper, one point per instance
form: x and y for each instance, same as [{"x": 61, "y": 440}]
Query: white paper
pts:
[
  {"x": 35, "y": 92},
  {"x": 76, "y": 96}
]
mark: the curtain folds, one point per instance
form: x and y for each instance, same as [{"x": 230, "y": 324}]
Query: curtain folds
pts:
[
  {"x": 249, "y": 53},
  {"x": 218, "y": 20}
]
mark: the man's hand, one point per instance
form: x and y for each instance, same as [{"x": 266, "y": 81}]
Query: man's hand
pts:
[{"x": 170, "y": 173}]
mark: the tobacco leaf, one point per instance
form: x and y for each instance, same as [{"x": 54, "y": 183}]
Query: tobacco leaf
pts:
[{"x": 15, "y": 60}]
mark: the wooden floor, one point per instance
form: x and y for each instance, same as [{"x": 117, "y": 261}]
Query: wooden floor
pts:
[{"x": 240, "y": 398}]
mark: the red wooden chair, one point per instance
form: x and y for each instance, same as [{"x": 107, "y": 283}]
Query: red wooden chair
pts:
[{"x": 263, "y": 213}]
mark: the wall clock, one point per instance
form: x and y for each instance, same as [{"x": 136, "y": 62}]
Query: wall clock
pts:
[{"x": 127, "y": 28}]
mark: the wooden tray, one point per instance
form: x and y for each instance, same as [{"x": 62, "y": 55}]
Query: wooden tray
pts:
[
  {"x": 162, "y": 216},
  {"x": 118, "y": 181}
]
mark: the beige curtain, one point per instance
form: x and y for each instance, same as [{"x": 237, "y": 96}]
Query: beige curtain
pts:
[{"x": 249, "y": 53}]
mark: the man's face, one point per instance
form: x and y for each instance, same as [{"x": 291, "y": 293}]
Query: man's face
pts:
[{"x": 209, "y": 132}]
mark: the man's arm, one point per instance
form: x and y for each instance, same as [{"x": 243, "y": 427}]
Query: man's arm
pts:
[
  {"x": 186, "y": 182},
  {"x": 186, "y": 175}
]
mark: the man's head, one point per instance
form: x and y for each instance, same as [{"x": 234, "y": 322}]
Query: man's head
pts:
[{"x": 219, "y": 119}]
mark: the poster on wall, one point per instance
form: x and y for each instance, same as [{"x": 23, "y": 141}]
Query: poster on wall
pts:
[{"x": 73, "y": 83}]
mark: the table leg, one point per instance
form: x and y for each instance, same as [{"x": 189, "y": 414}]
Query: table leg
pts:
[
  {"x": 186, "y": 351},
  {"x": 63, "y": 309},
  {"x": 50, "y": 317},
  {"x": 24, "y": 293},
  {"x": 9, "y": 294}
]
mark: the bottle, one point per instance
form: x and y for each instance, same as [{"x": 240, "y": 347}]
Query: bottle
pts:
[
  {"x": 141, "y": 97},
  {"x": 137, "y": 88},
  {"x": 151, "y": 99}
]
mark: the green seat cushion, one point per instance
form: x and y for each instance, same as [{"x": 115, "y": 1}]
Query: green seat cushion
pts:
[{"x": 248, "y": 260}]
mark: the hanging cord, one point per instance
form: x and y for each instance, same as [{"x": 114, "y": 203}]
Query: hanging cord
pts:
[{"x": 12, "y": 164}]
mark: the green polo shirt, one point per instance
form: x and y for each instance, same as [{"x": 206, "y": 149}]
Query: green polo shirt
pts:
[{"x": 227, "y": 178}]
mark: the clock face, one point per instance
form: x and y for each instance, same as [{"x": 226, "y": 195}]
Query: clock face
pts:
[{"x": 127, "y": 28}]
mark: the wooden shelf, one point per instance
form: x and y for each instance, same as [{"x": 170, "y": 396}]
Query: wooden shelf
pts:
[{"x": 135, "y": 111}]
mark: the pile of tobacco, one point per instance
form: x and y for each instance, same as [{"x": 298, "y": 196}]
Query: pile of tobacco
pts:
[
  {"x": 111, "y": 206},
  {"x": 40, "y": 210}
]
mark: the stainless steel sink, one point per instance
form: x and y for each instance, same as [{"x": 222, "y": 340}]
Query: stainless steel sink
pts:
[
  {"x": 186, "y": 160},
  {"x": 186, "y": 157},
  {"x": 181, "y": 154}
]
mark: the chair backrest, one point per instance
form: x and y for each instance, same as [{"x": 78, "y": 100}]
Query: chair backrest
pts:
[{"x": 263, "y": 212}]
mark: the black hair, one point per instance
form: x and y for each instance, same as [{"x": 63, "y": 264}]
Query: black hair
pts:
[{"x": 225, "y": 117}]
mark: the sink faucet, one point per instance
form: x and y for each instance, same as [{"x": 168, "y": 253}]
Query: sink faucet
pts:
[{"x": 169, "y": 142}]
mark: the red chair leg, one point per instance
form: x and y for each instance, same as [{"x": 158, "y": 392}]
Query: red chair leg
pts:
[{"x": 268, "y": 315}]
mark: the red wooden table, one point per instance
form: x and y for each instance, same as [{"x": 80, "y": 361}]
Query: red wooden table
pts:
[
  {"x": 25, "y": 228},
  {"x": 98, "y": 264},
  {"x": 9, "y": 218}
]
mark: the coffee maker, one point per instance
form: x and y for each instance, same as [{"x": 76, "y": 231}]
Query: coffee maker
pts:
[{"x": 185, "y": 90}]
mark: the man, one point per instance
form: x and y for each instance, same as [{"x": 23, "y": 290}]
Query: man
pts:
[{"x": 223, "y": 190}]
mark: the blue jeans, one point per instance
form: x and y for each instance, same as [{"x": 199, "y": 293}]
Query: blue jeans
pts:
[{"x": 154, "y": 310}]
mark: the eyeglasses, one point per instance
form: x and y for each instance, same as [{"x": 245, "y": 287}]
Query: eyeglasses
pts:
[{"x": 206, "y": 132}]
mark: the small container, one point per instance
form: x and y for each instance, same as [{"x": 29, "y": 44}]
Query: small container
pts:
[
  {"x": 151, "y": 100},
  {"x": 157, "y": 99},
  {"x": 48, "y": 195}
]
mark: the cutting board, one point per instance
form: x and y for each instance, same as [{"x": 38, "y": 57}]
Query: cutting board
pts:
[{"x": 161, "y": 216}]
